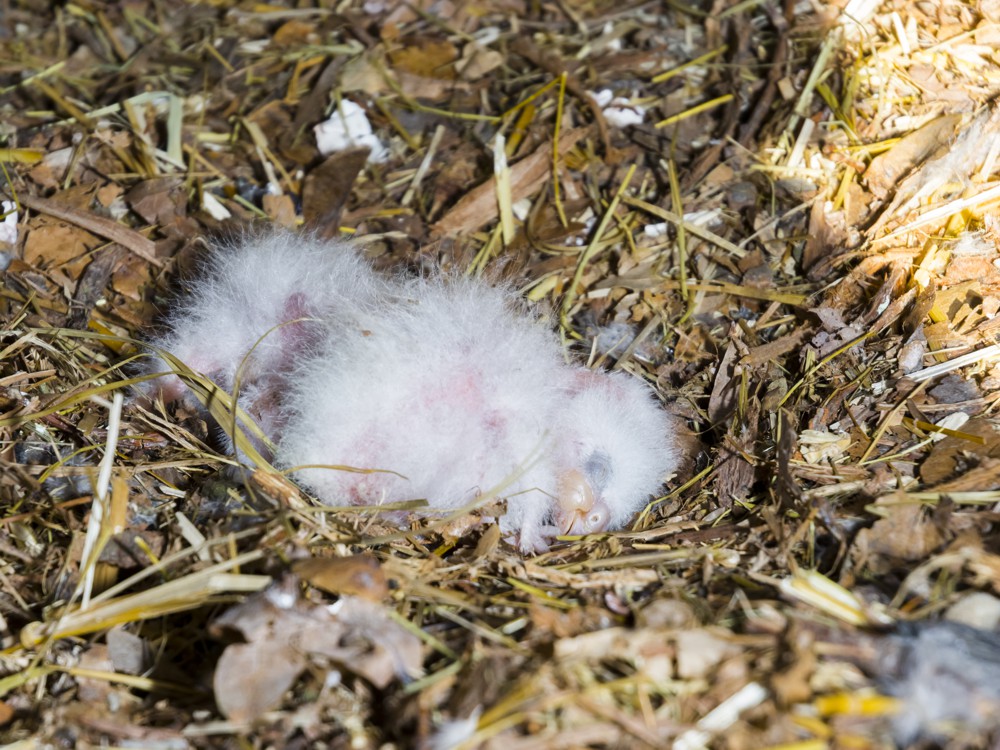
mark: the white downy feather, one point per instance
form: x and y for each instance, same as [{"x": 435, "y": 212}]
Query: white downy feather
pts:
[
  {"x": 448, "y": 387},
  {"x": 444, "y": 385},
  {"x": 255, "y": 311}
]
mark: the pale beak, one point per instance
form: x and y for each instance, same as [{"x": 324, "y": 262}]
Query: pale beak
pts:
[{"x": 577, "y": 511}]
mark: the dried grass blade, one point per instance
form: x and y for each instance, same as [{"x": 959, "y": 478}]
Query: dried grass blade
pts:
[{"x": 182, "y": 594}]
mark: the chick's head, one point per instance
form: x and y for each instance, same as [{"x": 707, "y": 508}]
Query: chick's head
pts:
[{"x": 616, "y": 448}]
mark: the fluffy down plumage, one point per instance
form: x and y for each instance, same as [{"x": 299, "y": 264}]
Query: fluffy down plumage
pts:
[
  {"x": 445, "y": 387},
  {"x": 255, "y": 312}
]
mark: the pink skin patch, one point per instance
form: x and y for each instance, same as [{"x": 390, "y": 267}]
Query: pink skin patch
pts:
[
  {"x": 584, "y": 378},
  {"x": 295, "y": 337},
  {"x": 496, "y": 427},
  {"x": 463, "y": 391},
  {"x": 266, "y": 408},
  {"x": 360, "y": 487},
  {"x": 169, "y": 387}
]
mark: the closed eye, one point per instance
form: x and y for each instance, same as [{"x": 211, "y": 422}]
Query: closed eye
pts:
[{"x": 597, "y": 469}]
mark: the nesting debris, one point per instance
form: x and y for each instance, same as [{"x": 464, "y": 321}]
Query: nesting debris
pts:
[{"x": 797, "y": 243}]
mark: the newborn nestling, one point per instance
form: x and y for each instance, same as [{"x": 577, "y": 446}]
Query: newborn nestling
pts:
[{"x": 440, "y": 389}]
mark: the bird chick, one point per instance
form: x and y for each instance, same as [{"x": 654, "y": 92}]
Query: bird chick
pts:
[
  {"x": 378, "y": 390},
  {"x": 454, "y": 391},
  {"x": 254, "y": 312}
]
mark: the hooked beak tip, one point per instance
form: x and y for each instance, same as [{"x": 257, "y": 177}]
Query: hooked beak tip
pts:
[
  {"x": 587, "y": 522},
  {"x": 578, "y": 512}
]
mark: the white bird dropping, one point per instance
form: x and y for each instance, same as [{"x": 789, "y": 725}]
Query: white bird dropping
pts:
[{"x": 348, "y": 127}]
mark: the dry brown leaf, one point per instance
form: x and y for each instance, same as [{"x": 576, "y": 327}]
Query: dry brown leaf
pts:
[
  {"x": 725, "y": 390},
  {"x": 280, "y": 209},
  {"x": 131, "y": 277},
  {"x": 134, "y": 548},
  {"x": 357, "y": 575},
  {"x": 295, "y": 32},
  {"x": 283, "y": 633},
  {"x": 983, "y": 478},
  {"x": 950, "y": 454},
  {"x": 95, "y": 690},
  {"x": 373, "y": 645},
  {"x": 906, "y": 533},
  {"x": 887, "y": 169},
  {"x": 479, "y": 206},
  {"x": 98, "y": 225},
  {"x": 108, "y": 194},
  {"x": 477, "y": 61},
  {"x": 977, "y": 268},
  {"x": 429, "y": 59},
  {"x": 327, "y": 188},
  {"x": 157, "y": 201},
  {"x": 251, "y": 678},
  {"x": 59, "y": 246}
]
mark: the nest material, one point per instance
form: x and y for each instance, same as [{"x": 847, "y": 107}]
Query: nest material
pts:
[{"x": 795, "y": 243}]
